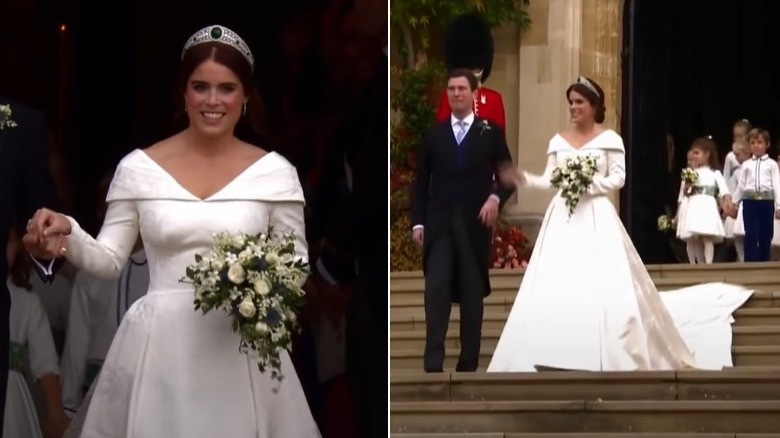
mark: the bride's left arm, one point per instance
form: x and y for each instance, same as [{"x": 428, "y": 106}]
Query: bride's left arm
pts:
[
  {"x": 287, "y": 216},
  {"x": 616, "y": 174}
]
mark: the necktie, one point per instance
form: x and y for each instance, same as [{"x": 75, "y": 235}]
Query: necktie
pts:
[{"x": 461, "y": 132}]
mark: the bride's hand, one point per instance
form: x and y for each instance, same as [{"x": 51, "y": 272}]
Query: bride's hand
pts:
[{"x": 47, "y": 233}]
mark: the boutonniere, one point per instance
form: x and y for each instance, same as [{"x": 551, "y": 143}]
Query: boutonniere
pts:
[
  {"x": 484, "y": 126},
  {"x": 5, "y": 117}
]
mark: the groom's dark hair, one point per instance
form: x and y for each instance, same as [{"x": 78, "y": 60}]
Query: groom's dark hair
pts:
[{"x": 464, "y": 73}]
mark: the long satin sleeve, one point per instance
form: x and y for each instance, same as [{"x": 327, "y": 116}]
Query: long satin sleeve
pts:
[
  {"x": 105, "y": 256},
  {"x": 542, "y": 181},
  {"x": 616, "y": 175},
  {"x": 288, "y": 217}
]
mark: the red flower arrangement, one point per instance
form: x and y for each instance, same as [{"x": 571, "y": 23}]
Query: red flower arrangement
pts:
[{"x": 510, "y": 249}]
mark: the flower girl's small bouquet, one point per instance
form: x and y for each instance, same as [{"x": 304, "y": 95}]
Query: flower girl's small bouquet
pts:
[
  {"x": 689, "y": 178},
  {"x": 573, "y": 178},
  {"x": 666, "y": 224},
  {"x": 257, "y": 280}
]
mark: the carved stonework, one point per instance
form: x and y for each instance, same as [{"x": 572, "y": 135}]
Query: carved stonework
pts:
[{"x": 602, "y": 29}]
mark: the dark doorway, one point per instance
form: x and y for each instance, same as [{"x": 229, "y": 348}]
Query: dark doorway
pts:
[{"x": 689, "y": 71}]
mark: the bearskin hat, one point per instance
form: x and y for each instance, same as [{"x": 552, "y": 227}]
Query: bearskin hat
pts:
[{"x": 468, "y": 43}]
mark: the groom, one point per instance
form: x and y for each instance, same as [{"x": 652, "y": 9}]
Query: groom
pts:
[
  {"x": 25, "y": 186},
  {"x": 456, "y": 204}
]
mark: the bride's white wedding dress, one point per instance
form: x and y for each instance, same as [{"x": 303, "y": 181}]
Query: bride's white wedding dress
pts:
[
  {"x": 587, "y": 302},
  {"x": 171, "y": 371}
]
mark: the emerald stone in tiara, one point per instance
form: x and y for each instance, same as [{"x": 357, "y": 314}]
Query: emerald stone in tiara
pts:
[{"x": 223, "y": 35}]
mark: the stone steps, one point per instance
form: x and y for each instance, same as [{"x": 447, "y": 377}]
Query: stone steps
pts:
[
  {"x": 729, "y": 384},
  {"x": 739, "y": 402},
  {"x": 415, "y": 339},
  {"x": 585, "y": 435},
  {"x": 728, "y": 272},
  {"x": 412, "y": 359},
  {"x": 410, "y": 303},
  {"x": 494, "y": 319},
  {"x": 575, "y": 416}
]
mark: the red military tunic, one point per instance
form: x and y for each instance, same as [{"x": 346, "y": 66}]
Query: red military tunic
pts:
[{"x": 488, "y": 105}]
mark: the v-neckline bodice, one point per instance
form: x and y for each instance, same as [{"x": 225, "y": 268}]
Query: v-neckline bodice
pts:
[{"x": 176, "y": 182}]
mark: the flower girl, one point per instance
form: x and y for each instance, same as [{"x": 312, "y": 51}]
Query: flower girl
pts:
[
  {"x": 32, "y": 350},
  {"x": 701, "y": 225},
  {"x": 733, "y": 227}
]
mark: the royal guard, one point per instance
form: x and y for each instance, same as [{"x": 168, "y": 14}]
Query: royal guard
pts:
[{"x": 469, "y": 44}]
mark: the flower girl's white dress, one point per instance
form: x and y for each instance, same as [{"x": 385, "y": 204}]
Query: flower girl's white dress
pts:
[
  {"x": 172, "y": 372},
  {"x": 587, "y": 301},
  {"x": 702, "y": 215},
  {"x": 32, "y": 344}
]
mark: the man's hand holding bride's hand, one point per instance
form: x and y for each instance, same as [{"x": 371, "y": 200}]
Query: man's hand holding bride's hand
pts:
[{"x": 47, "y": 234}]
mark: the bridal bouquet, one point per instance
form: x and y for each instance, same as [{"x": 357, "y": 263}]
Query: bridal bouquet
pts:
[
  {"x": 573, "y": 178},
  {"x": 257, "y": 280}
]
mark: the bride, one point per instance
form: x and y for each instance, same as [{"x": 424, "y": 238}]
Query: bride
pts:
[
  {"x": 586, "y": 301},
  {"x": 172, "y": 372}
]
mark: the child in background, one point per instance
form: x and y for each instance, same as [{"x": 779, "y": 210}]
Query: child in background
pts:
[
  {"x": 733, "y": 227},
  {"x": 775, "y": 252},
  {"x": 758, "y": 192},
  {"x": 32, "y": 353},
  {"x": 739, "y": 134},
  {"x": 702, "y": 225}
]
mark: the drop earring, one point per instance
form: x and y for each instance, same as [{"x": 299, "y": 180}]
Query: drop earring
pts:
[{"x": 243, "y": 111}]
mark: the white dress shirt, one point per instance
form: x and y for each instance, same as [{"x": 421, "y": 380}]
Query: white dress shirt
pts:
[{"x": 759, "y": 174}]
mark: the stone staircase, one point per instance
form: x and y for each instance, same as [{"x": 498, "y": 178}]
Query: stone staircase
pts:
[{"x": 743, "y": 401}]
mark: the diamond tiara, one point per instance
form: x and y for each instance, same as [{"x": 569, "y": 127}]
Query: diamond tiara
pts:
[
  {"x": 584, "y": 81},
  {"x": 220, "y": 34}
]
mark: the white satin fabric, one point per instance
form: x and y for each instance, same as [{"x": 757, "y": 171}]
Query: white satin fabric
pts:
[
  {"x": 171, "y": 371},
  {"x": 587, "y": 301}
]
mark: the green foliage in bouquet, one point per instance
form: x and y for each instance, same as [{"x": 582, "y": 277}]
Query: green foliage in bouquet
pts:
[{"x": 257, "y": 280}]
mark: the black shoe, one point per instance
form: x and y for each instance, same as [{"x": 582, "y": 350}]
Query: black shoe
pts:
[{"x": 465, "y": 369}]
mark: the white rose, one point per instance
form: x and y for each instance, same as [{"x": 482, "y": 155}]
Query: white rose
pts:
[
  {"x": 236, "y": 273},
  {"x": 247, "y": 308},
  {"x": 271, "y": 258},
  {"x": 261, "y": 327},
  {"x": 238, "y": 241},
  {"x": 244, "y": 256},
  {"x": 291, "y": 316},
  {"x": 262, "y": 287}
]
